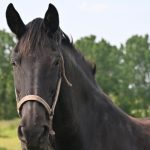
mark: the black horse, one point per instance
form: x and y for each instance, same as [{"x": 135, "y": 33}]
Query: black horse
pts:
[{"x": 49, "y": 72}]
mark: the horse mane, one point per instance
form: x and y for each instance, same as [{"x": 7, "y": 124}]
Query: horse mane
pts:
[{"x": 69, "y": 42}]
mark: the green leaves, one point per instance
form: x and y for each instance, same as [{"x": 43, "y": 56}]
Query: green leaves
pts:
[
  {"x": 136, "y": 74},
  {"x": 123, "y": 73},
  {"x": 7, "y": 98}
]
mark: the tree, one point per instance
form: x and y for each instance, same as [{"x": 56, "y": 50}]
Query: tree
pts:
[
  {"x": 106, "y": 58},
  {"x": 7, "y": 98},
  {"x": 135, "y": 75},
  {"x": 123, "y": 73}
]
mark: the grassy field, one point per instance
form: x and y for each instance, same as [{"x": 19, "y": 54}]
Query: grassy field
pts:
[{"x": 8, "y": 135}]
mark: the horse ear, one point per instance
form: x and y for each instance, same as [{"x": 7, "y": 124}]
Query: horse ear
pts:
[
  {"x": 51, "y": 19},
  {"x": 14, "y": 21}
]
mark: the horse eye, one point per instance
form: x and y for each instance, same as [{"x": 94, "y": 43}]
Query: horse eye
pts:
[
  {"x": 13, "y": 62},
  {"x": 56, "y": 62}
]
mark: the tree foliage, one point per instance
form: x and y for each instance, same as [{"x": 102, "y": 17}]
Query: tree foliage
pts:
[
  {"x": 7, "y": 98},
  {"x": 123, "y": 73}
]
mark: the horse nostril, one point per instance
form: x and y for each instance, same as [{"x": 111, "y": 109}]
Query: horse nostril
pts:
[
  {"x": 38, "y": 133},
  {"x": 44, "y": 132},
  {"x": 21, "y": 134}
]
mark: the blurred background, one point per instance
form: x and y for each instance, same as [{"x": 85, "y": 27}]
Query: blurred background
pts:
[{"x": 113, "y": 34}]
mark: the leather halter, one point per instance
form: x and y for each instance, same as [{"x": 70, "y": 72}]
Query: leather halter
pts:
[{"x": 50, "y": 110}]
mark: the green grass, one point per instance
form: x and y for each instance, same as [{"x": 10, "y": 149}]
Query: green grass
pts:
[{"x": 8, "y": 135}]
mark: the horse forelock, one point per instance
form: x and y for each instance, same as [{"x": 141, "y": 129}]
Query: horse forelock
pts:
[{"x": 36, "y": 36}]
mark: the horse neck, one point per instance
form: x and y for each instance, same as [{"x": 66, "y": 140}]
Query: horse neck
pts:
[
  {"x": 83, "y": 107},
  {"x": 85, "y": 90}
]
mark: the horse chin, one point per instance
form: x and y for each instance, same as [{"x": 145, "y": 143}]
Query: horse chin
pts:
[{"x": 42, "y": 147}]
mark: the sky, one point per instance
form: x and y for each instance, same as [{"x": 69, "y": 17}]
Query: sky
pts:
[{"x": 113, "y": 20}]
